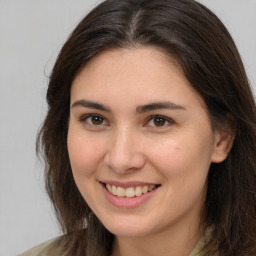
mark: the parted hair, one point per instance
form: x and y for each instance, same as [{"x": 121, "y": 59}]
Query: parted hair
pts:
[{"x": 205, "y": 51}]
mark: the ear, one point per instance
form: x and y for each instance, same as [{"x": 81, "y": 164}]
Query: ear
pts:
[{"x": 224, "y": 138}]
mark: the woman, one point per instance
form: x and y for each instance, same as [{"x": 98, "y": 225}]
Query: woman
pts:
[{"x": 150, "y": 135}]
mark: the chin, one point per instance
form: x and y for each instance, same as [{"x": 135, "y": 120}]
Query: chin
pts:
[
  {"x": 128, "y": 231},
  {"x": 127, "y": 227}
]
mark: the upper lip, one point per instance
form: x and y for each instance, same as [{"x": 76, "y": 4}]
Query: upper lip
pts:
[{"x": 127, "y": 184}]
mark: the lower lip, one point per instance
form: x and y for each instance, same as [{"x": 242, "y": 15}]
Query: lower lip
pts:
[{"x": 127, "y": 202}]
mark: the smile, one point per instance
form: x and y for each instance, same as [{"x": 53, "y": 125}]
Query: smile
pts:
[
  {"x": 129, "y": 192},
  {"x": 128, "y": 195}
]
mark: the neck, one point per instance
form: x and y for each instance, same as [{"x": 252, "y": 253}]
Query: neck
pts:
[{"x": 179, "y": 241}]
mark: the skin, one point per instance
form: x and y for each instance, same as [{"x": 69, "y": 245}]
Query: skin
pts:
[{"x": 127, "y": 144}]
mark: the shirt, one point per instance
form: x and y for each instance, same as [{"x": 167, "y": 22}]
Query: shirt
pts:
[{"x": 51, "y": 248}]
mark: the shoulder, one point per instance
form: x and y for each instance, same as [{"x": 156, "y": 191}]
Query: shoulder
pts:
[
  {"x": 202, "y": 242},
  {"x": 49, "y": 248}
]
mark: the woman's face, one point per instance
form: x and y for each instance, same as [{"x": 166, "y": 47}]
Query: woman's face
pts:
[{"x": 140, "y": 142}]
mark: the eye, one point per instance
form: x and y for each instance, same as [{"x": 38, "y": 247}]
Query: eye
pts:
[
  {"x": 159, "y": 121},
  {"x": 94, "y": 120}
]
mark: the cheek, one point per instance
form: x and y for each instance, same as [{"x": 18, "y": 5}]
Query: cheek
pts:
[
  {"x": 184, "y": 166},
  {"x": 183, "y": 157},
  {"x": 85, "y": 154}
]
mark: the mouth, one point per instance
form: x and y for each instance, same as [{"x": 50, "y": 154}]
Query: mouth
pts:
[{"x": 130, "y": 192}]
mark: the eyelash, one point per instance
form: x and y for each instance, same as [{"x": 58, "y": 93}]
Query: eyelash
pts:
[
  {"x": 84, "y": 119},
  {"x": 165, "y": 119}
]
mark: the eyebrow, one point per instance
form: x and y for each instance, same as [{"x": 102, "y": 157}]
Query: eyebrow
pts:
[
  {"x": 90, "y": 104},
  {"x": 139, "y": 109},
  {"x": 159, "y": 105}
]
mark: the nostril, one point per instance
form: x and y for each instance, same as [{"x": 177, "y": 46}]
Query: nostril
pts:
[{"x": 123, "y": 164}]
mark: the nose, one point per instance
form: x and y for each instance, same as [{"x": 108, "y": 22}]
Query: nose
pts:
[{"x": 124, "y": 153}]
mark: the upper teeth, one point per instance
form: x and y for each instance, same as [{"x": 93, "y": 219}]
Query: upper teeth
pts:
[{"x": 129, "y": 192}]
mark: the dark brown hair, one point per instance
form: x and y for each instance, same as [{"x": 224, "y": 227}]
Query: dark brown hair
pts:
[{"x": 204, "y": 49}]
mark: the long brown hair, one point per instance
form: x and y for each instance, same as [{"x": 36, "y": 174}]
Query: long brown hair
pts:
[{"x": 199, "y": 41}]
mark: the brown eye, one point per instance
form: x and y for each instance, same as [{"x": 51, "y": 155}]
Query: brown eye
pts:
[
  {"x": 159, "y": 121},
  {"x": 94, "y": 120},
  {"x": 97, "y": 120}
]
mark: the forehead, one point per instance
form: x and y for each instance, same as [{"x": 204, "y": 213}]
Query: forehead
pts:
[
  {"x": 138, "y": 73},
  {"x": 140, "y": 57}
]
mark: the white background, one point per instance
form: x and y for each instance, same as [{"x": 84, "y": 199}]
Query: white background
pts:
[{"x": 31, "y": 34}]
